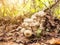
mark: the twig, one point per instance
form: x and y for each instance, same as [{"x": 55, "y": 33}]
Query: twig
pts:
[{"x": 54, "y": 5}]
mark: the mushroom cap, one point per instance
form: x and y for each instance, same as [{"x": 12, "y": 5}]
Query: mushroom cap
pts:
[{"x": 28, "y": 33}]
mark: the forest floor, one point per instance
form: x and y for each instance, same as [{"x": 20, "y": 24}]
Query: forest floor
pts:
[{"x": 13, "y": 33}]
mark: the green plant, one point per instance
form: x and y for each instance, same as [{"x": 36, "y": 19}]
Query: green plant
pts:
[{"x": 38, "y": 32}]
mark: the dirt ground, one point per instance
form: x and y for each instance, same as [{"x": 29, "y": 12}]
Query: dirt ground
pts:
[{"x": 13, "y": 32}]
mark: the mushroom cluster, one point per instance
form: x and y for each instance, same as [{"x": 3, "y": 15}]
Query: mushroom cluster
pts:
[{"x": 32, "y": 24}]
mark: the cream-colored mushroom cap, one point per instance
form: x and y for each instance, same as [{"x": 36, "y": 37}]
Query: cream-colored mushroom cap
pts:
[{"x": 28, "y": 33}]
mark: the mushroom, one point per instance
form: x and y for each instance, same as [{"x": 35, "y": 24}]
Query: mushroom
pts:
[{"x": 28, "y": 33}]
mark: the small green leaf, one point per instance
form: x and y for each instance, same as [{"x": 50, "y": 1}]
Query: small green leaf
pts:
[{"x": 38, "y": 32}]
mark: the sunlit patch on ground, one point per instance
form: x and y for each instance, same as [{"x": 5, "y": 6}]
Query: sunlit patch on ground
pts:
[{"x": 15, "y": 8}]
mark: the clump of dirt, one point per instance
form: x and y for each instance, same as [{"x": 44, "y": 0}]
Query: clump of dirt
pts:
[{"x": 48, "y": 26}]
